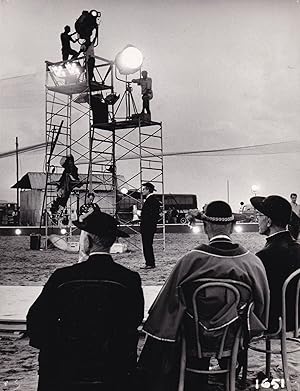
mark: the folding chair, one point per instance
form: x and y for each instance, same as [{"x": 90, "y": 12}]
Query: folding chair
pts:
[
  {"x": 281, "y": 332},
  {"x": 214, "y": 325},
  {"x": 97, "y": 345}
]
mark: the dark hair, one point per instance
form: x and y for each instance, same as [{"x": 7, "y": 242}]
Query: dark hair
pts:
[
  {"x": 105, "y": 241},
  {"x": 293, "y": 194},
  {"x": 279, "y": 223}
]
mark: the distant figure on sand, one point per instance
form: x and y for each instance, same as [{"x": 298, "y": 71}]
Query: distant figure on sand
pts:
[
  {"x": 84, "y": 211},
  {"x": 149, "y": 219}
]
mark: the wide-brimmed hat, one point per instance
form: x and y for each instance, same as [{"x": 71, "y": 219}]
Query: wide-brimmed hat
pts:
[
  {"x": 277, "y": 208},
  {"x": 219, "y": 212},
  {"x": 149, "y": 185},
  {"x": 100, "y": 224}
]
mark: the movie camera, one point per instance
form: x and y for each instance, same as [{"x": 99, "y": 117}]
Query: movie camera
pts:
[{"x": 87, "y": 22}]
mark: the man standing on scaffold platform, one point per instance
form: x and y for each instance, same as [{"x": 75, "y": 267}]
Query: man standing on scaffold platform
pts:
[{"x": 147, "y": 94}]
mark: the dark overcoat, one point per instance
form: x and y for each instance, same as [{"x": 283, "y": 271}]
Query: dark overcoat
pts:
[
  {"x": 150, "y": 214},
  {"x": 43, "y": 314},
  {"x": 280, "y": 257}
]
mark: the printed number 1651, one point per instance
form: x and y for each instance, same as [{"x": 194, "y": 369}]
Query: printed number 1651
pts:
[{"x": 274, "y": 383}]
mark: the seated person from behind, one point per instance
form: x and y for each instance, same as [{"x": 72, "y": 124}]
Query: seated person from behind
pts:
[
  {"x": 220, "y": 259},
  {"x": 280, "y": 256},
  {"x": 57, "y": 369}
]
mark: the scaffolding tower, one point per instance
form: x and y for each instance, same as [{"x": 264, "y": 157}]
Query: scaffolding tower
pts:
[{"x": 114, "y": 148}]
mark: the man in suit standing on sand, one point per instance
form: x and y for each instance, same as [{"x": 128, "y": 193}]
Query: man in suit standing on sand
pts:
[{"x": 149, "y": 218}]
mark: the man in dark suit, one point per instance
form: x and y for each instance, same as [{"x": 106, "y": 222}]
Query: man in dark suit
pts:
[
  {"x": 149, "y": 218},
  {"x": 56, "y": 368},
  {"x": 280, "y": 256}
]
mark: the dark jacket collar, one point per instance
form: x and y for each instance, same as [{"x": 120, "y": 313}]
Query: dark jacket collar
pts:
[
  {"x": 280, "y": 237},
  {"x": 222, "y": 246},
  {"x": 103, "y": 257}
]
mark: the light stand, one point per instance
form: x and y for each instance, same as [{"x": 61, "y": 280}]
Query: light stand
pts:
[{"x": 130, "y": 106}]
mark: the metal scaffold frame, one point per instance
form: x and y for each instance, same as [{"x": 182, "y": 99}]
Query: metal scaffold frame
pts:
[{"x": 102, "y": 139}]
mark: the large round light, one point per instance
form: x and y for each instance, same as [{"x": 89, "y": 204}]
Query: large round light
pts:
[
  {"x": 129, "y": 60},
  {"x": 18, "y": 231},
  {"x": 63, "y": 231}
]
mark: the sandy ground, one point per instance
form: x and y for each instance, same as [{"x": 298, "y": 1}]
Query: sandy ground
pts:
[{"x": 21, "y": 266}]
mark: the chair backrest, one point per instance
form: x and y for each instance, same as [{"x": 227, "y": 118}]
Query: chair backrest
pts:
[
  {"x": 216, "y": 313},
  {"x": 92, "y": 321},
  {"x": 292, "y": 283}
]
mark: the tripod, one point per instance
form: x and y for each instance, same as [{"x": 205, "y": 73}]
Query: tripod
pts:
[{"x": 130, "y": 106}]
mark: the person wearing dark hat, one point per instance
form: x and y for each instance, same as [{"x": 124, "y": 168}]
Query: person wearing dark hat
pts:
[
  {"x": 149, "y": 219},
  {"x": 281, "y": 254},
  {"x": 222, "y": 259},
  {"x": 43, "y": 315}
]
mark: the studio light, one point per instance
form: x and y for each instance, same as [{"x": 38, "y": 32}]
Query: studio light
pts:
[
  {"x": 94, "y": 13},
  {"x": 111, "y": 99},
  {"x": 63, "y": 231},
  {"x": 110, "y": 169},
  {"x": 238, "y": 229},
  {"x": 18, "y": 231},
  {"x": 129, "y": 60}
]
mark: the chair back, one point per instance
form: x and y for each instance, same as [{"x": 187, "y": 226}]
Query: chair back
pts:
[
  {"x": 216, "y": 313},
  {"x": 291, "y": 286},
  {"x": 93, "y": 332}
]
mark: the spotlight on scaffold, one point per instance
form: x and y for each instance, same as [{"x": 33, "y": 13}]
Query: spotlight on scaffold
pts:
[{"x": 129, "y": 60}]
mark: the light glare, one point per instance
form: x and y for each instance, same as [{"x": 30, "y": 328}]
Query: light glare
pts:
[
  {"x": 18, "y": 231},
  {"x": 195, "y": 229},
  {"x": 63, "y": 231},
  {"x": 73, "y": 68},
  {"x": 238, "y": 229},
  {"x": 124, "y": 190}
]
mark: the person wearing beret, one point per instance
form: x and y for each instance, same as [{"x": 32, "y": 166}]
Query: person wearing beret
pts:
[
  {"x": 220, "y": 259},
  {"x": 280, "y": 256},
  {"x": 58, "y": 369},
  {"x": 149, "y": 219}
]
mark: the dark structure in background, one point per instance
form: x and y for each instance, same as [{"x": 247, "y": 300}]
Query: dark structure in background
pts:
[
  {"x": 32, "y": 186},
  {"x": 179, "y": 202}
]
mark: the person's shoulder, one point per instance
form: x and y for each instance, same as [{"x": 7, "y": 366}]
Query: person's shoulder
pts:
[
  {"x": 127, "y": 272},
  {"x": 63, "y": 274}
]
